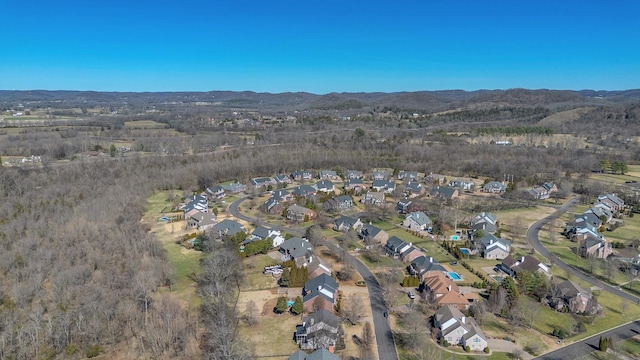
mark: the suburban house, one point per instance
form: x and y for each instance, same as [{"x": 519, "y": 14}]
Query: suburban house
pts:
[
  {"x": 320, "y": 354},
  {"x": 414, "y": 189},
  {"x": 600, "y": 212},
  {"x": 282, "y": 195},
  {"x": 512, "y": 266},
  {"x": 584, "y": 228},
  {"x": 216, "y": 192},
  {"x": 398, "y": 248},
  {"x": 300, "y": 214},
  {"x": 373, "y": 234},
  {"x": 463, "y": 184},
  {"x": 380, "y": 175},
  {"x": 346, "y": 223},
  {"x": 338, "y": 203},
  {"x": 320, "y": 329},
  {"x": 459, "y": 329},
  {"x": 316, "y": 266},
  {"x": 304, "y": 191},
  {"x": 418, "y": 221},
  {"x": 445, "y": 193},
  {"x": 354, "y": 174},
  {"x": 494, "y": 187},
  {"x": 493, "y": 247},
  {"x": 272, "y": 206},
  {"x": 296, "y": 249},
  {"x": 443, "y": 291},
  {"x": 328, "y": 175},
  {"x": 543, "y": 191},
  {"x": 234, "y": 188},
  {"x": 301, "y": 175},
  {"x": 195, "y": 202},
  {"x": 395, "y": 246},
  {"x": 261, "y": 182},
  {"x": 568, "y": 295},
  {"x": 423, "y": 266},
  {"x": 226, "y": 228},
  {"x": 354, "y": 184},
  {"x": 595, "y": 246},
  {"x": 612, "y": 201},
  {"x": 325, "y": 186},
  {"x": 435, "y": 179},
  {"x": 373, "y": 198},
  {"x": 319, "y": 293},
  {"x": 403, "y": 206},
  {"x": 201, "y": 221},
  {"x": 407, "y": 175},
  {"x": 487, "y": 222},
  {"x": 262, "y": 233},
  {"x": 282, "y": 179},
  {"x": 383, "y": 185}
]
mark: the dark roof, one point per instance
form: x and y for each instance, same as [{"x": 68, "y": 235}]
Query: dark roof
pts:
[
  {"x": 230, "y": 227},
  {"x": 370, "y": 230},
  {"x": 345, "y": 220},
  {"x": 323, "y": 316},
  {"x": 320, "y": 354},
  {"x": 261, "y": 232},
  {"x": 443, "y": 191},
  {"x": 322, "y": 285},
  {"x": 324, "y": 184},
  {"x": 303, "y": 190},
  {"x": 296, "y": 247}
]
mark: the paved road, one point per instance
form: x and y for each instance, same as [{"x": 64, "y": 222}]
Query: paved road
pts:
[
  {"x": 589, "y": 345},
  {"x": 382, "y": 328},
  {"x": 532, "y": 237}
]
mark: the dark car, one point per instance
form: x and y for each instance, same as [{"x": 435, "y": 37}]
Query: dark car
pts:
[{"x": 385, "y": 314}]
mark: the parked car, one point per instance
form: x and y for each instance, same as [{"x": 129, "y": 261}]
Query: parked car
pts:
[{"x": 411, "y": 294}]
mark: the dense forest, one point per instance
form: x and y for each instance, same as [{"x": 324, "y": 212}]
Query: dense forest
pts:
[{"x": 80, "y": 274}]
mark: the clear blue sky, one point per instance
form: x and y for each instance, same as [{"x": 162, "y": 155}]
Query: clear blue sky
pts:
[{"x": 319, "y": 46}]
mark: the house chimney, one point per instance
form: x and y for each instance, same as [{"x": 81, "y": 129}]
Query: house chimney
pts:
[
  {"x": 449, "y": 288},
  {"x": 464, "y": 318}
]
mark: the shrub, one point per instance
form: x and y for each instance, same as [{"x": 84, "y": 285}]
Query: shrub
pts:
[
  {"x": 93, "y": 351},
  {"x": 486, "y": 350},
  {"x": 70, "y": 349},
  {"x": 467, "y": 348}
]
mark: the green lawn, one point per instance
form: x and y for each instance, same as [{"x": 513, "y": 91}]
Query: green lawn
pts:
[
  {"x": 185, "y": 263},
  {"x": 630, "y": 346}
]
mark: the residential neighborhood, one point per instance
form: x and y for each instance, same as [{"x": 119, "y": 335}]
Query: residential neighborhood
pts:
[{"x": 445, "y": 286}]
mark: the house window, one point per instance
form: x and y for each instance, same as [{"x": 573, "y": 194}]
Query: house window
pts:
[{"x": 476, "y": 340}]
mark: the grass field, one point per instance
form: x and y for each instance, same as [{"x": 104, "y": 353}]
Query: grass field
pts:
[{"x": 144, "y": 124}]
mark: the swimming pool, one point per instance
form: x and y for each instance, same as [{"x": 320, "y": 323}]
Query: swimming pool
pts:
[
  {"x": 455, "y": 237},
  {"x": 455, "y": 276},
  {"x": 290, "y": 303},
  {"x": 464, "y": 251}
]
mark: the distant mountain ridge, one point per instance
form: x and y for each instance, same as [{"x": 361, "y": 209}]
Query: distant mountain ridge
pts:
[{"x": 417, "y": 100}]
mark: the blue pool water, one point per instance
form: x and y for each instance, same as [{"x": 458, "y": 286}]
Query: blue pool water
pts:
[
  {"x": 454, "y": 276},
  {"x": 290, "y": 303},
  {"x": 455, "y": 237},
  {"x": 464, "y": 251}
]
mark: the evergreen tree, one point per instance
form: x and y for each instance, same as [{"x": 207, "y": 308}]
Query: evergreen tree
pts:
[
  {"x": 281, "y": 306},
  {"x": 298, "y": 306},
  {"x": 285, "y": 278}
]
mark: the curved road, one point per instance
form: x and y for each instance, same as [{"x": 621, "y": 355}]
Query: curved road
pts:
[
  {"x": 532, "y": 237},
  {"x": 589, "y": 345},
  {"x": 384, "y": 335}
]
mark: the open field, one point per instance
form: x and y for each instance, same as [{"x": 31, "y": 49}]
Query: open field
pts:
[{"x": 144, "y": 124}]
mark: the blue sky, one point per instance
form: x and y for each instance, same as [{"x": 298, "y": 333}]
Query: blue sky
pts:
[{"x": 319, "y": 47}]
